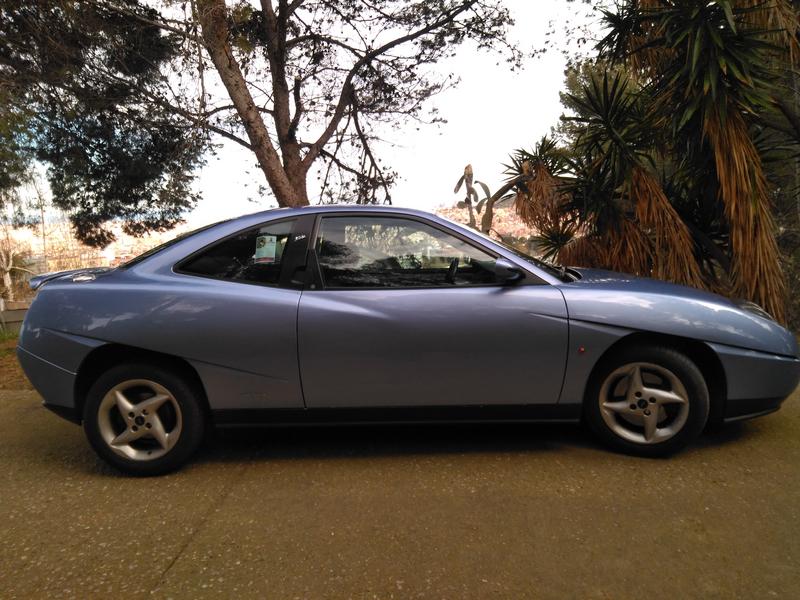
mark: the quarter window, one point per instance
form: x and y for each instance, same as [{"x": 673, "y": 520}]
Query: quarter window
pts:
[
  {"x": 254, "y": 256},
  {"x": 389, "y": 252}
]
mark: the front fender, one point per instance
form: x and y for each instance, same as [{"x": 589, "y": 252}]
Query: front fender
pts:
[{"x": 680, "y": 312}]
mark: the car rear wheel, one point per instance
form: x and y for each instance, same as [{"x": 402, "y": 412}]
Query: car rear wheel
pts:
[
  {"x": 143, "y": 419},
  {"x": 648, "y": 401}
]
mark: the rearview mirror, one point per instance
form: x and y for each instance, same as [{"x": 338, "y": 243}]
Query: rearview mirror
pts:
[{"x": 507, "y": 272}]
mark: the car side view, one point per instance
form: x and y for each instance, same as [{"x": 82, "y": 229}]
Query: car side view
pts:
[{"x": 363, "y": 315}]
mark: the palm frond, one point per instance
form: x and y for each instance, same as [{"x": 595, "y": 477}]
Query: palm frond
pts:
[
  {"x": 552, "y": 238},
  {"x": 624, "y": 248},
  {"x": 756, "y": 271},
  {"x": 777, "y": 17},
  {"x": 674, "y": 257},
  {"x": 541, "y": 199}
]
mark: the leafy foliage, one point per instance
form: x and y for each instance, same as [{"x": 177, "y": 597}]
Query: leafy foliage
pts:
[
  {"x": 15, "y": 157},
  {"x": 665, "y": 174},
  {"x": 78, "y": 78}
]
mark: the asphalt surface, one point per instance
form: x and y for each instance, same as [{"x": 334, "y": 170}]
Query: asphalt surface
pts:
[{"x": 516, "y": 511}]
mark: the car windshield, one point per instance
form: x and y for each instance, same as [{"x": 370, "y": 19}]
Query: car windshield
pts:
[
  {"x": 165, "y": 245},
  {"x": 555, "y": 271},
  {"x": 558, "y": 272}
]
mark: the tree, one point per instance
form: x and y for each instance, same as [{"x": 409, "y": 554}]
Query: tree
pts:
[
  {"x": 13, "y": 259},
  {"x": 77, "y": 77},
  {"x": 15, "y": 159},
  {"x": 333, "y": 70},
  {"x": 122, "y": 97},
  {"x": 665, "y": 172}
]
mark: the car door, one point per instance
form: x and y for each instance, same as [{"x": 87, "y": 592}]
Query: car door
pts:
[
  {"x": 236, "y": 319},
  {"x": 407, "y": 313}
]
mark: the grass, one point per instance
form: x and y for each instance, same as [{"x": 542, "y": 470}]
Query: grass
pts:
[
  {"x": 8, "y": 341},
  {"x": 11, "y": 375},
  {"x": 8, "y": 335}
]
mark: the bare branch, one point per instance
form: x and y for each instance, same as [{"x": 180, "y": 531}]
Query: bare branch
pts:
[
  {"x": 293, "y": 6},
  {"x": 298, "y": 111},
  {"x": 24, "y": 270},
  {"x": 345, "y": 95},
  {"x": 343, "y": 166},
  {"x": 368, "y": 151}
]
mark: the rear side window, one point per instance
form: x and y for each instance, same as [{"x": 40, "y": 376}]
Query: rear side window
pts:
[
  {"x": 136, "y": 260},
  {"x": 251, "y": 256}
]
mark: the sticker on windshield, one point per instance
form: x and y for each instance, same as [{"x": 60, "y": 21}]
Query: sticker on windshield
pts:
[{"x": 265, "y": 249}]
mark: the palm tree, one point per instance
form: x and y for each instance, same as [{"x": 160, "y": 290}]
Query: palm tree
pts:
[
  {"x": 665, "y": 175},
  {"x": 613, "y": 198}
]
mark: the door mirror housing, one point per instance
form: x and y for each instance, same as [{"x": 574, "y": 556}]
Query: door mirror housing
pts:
[{"x": 507, "y": 272}]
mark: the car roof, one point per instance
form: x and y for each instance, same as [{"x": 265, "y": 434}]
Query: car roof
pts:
[
  {"x": 335, "y": 208},
  {"x": 332, "y": 209}
]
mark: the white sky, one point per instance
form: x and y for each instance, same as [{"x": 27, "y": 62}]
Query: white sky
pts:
[{"x": 490, "y": 113}]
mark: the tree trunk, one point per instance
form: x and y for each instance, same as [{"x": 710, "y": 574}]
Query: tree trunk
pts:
[
  {"x": 296, "y": 173},
  {"x": 215, "y": 32},
  {"x": 8, "y": 286}
]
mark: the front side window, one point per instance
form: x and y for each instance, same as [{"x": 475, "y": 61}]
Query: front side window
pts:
[
  {"x": 254, "y": 255},
  {"x": 391, "y": 252}
]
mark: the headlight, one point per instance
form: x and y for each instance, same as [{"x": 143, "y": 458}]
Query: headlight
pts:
[{"x": 754, "y": 308}]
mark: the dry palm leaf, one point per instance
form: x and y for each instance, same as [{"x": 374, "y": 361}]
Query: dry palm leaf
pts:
[
  {"x": 779, "y": 18},
  {"x": 644, "y": 58},
  {"x": 756, "y": 271},
  {"x": 624, "y": 248},
  {"x": 540, "y": 203},
  {"x": 674, "y": 257},
  {"x": 584, "y": 251},
  {"x": 630, "y": 250}
]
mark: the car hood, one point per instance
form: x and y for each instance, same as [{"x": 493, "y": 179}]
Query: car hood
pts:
[
  {"x": 39, "y": 280},
  {"x": 601, "y": 279},
  {"x": 642, "y": 304}
]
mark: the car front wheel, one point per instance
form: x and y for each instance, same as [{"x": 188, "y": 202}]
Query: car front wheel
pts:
[
  {"x": 648, "y": 401},
  {"x": 143, "y": 419}
]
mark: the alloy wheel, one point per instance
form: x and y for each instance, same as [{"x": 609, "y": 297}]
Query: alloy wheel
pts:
[
  {"x": 644, "y": 403},
  {"x": 139, "y": 419}
]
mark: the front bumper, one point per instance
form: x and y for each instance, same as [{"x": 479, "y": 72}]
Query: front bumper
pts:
[
  {"x": 740, "y": 410},
  {"x": 757, "y": 382}
]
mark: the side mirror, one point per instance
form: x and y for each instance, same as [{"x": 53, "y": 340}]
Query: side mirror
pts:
[{"x": 507, "y": 272}]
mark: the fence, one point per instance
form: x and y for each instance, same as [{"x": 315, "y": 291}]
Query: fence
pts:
[{"x": 12, "y": 314}]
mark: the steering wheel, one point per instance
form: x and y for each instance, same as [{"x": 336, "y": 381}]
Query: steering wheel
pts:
[{"x": 451, "y": 272}]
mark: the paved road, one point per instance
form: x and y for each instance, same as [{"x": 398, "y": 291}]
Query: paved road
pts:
[{"x": 438, "y": 512}]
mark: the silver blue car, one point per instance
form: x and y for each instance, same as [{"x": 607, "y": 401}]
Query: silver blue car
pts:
[{"x": 352, "y": 314}]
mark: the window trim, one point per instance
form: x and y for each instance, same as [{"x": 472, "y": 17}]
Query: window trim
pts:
[
  {"x": 318, "y": 283},
  {"x": 302, "y": 225}
]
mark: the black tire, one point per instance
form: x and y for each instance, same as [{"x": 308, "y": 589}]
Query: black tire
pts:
[
  {"x": 680, "y": 366},
  {"x": 187, "y": 398}
]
